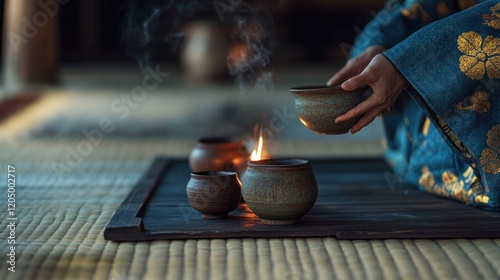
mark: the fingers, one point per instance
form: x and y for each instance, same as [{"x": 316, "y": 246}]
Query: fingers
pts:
[
  {"x": 366, "y": 119},
  {"x": 362, "y": 108},
  {"x": 346, "y": 72},
  {"x": 386, "y": 83},
  {"x": 335, "y": 79},
  {"x": 355, "y": 65},
  {"x": 373, "y": 101},
  {"x": 357, "y": 81}
]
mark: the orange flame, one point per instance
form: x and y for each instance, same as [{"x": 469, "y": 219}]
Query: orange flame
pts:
[{"x": 258, "y": 152}]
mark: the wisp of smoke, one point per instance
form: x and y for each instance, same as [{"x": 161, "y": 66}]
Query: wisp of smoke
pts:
[
  {"x": 248, "y": 61},
  {"x": 153, "y": 27}
]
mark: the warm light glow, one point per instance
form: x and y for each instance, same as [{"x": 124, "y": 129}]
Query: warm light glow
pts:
[{"x": 258, "y": 152}]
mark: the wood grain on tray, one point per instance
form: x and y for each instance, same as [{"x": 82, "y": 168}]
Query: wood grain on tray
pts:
[{"x": 358, "y": 199}]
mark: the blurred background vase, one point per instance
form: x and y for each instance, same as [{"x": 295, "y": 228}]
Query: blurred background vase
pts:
[
  {"x": 204, "y": 51},
  {"x": 214, "y": 193},
  {"x": 31, "y": 45},
  {"x": 219, "y": 154}
]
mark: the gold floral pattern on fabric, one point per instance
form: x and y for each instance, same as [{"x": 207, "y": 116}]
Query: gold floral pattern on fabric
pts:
[
  {"x": 478, "y": 102},
  {"x": 479, "y": 56},
  {"x": 415, "y": 11},
  {"x": 490, "y": 157},
  {"x": 451, "y": 187},
  {"x": 469, "y": 175},
  {"x": 476, "y": 187},
  {"x": 450, "y": 181},
  {"x": 493, "y": 19},
  {"x": 427, "y": 179},
  {"x": 425, "y": 126},
  {"x": 455, "y": 140},
  {"x": 482, "y": 199}
]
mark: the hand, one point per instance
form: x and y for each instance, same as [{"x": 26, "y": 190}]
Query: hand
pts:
[
  {"x": 386, "y": 83},
  {"x": 354, "y": 66}
]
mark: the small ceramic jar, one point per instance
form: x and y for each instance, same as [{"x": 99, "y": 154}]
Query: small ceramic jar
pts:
[
  {"x": 280, "y": 191},
  {"x": 219, "y": 154},
  {"x": 214, "y": 193}
]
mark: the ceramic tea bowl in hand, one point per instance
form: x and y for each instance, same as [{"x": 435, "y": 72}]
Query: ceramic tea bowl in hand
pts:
[{"x": 319, "y": 106}]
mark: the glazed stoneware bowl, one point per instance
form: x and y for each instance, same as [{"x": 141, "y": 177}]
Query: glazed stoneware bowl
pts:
[
  {"x": 218, "y": 154},
  {"x": 214, "y": 193},
  {"x": 279, "y": 191},
  {"x": 318, "y": 106}
]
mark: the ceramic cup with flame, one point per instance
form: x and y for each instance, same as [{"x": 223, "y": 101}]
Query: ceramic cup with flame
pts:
[{"x": 279, "y": 191}]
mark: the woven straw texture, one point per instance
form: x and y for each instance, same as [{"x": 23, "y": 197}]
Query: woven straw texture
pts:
[
  {"x": 62, "y": 214},
  {"x": 64, "y": 199}
]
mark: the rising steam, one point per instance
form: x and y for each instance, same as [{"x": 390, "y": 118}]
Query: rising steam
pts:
[
  {"x": 152, "y": 29},
  {"x": 251, "y": 53}
]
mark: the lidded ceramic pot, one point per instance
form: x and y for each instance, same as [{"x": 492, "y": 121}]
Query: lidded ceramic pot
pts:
[
  {"x": 219, "y": 154},
  {"x": 214, "y": 193},
  {"x": 280, "y": 191}
]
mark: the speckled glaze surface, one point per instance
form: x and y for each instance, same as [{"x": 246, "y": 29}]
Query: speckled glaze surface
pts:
[
  {"x": 218, "y": 154},
  {"x": 280, "y": 191},
  {"x": 318, "y": 106},
  {"x": 214, "y": 194}
]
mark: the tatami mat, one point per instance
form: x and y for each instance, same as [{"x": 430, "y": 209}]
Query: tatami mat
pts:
[
  {"x": 61, "y": 217},
  {"x": 63, "y": 199}
]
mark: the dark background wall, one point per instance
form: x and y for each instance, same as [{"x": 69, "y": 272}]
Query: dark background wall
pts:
[{"x": 305, "y": 31}]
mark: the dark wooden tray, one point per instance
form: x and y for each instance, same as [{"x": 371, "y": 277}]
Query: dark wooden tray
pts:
[{"x": 358, "y": 199}]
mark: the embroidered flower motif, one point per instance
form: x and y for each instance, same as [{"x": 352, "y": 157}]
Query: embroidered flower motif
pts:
[
  {"x": 482, "y": 199},
  {"x": 493, "y": 20},
  {"x": 490, "y": 157},
  {"x": 469, "y": 175},
  {"x": 427, "y": 179},
  {"x": 451, "y": 182},
  {"x": 451, "y": 187},
  {"x": 425, "y": 126},
  {"x": 480, "y": 56},
  {"x": 479, "y": 102}
]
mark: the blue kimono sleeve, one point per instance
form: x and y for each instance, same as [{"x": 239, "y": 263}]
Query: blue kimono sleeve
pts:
[
  {"x": 453, "y": 67},
  {"x": 398, "y": 20}
]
